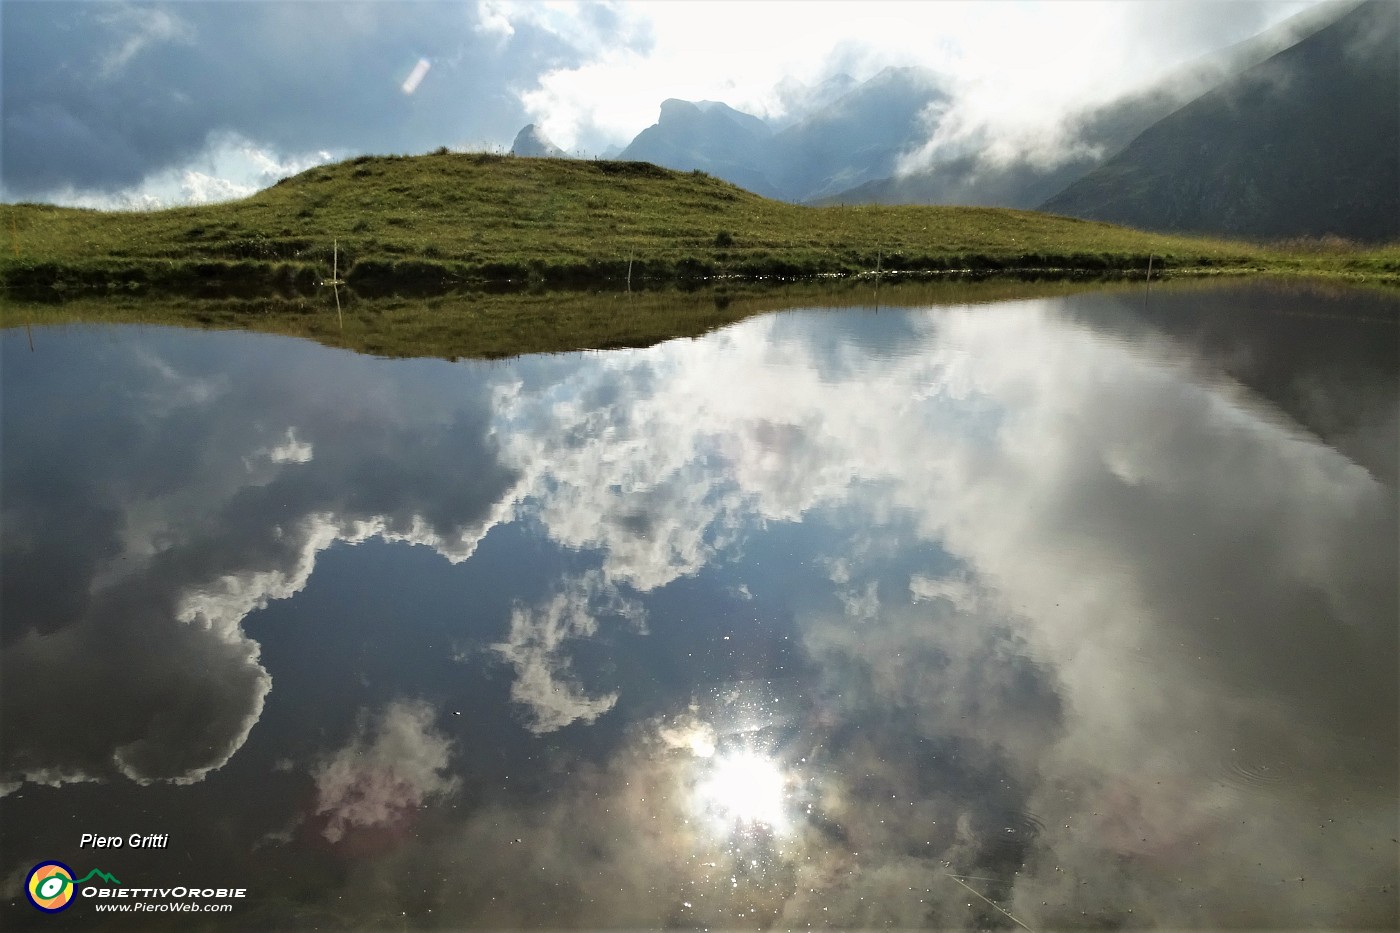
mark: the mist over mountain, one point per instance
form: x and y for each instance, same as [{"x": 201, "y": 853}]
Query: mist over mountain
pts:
[
  {"x": 1292, "y": 132},
  {"x": 711, "y": 137},
  {"x": 845, "y": 137},
  {"x": 843, "y": 141},
  {"x": 1037, "y": 172},
  {"x": 1306, "y": 143},
  {"x": 860, "y": 136},
  {"x": 800, "y": 99}
]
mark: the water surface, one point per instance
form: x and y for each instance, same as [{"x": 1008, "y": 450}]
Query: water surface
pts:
[{"x": 1066, "y": 612}]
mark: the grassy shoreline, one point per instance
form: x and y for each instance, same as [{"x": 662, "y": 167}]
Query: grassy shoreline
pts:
[
  {"x": 425, "y": 225},
  {"x": 495, "y": 325}
]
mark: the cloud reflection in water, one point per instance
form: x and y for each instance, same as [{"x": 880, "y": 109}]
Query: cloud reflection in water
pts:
[{"x": 1053, "y": 598}]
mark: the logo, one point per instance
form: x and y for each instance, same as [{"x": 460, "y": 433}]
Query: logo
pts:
[{"x": 50, "y": 885}]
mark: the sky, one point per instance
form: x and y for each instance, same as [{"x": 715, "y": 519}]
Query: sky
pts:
[{"x": 148, "y": 104}]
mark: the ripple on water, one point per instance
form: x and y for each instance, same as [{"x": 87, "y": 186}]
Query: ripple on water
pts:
[
  {"x": 1010, "y": 833},
  {"x": 1253, "y": 770}
]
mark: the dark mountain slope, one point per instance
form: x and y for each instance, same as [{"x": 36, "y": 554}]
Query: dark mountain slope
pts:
[{"x": 1305, "y": 144}]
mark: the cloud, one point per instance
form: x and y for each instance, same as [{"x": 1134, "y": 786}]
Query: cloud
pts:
[
  {"x": 125, "y": 104},
  {"x": 647, "y": 820},
  {"x": 961, "y": 595},
  {"x": 136, "y": 28},
  {"x": 292, "y": 451},
  {"x": 536, "y": 647},
  {"x": 391, "y": 768},
  {"x": 178, "y": 701},
  {"x": 1026, "y": 634},
  {"x": 648, "y": 503},
  {"x": 661, "y": 483},
  {"x": 1078, "y": 543},
  {"x": 99, "y": 100},
  {"x": 228, "y": 168},
  {"x": 665, "y": 463},
  {"x": 994, "y": 61},
  {"x": 136, "y": 589}
]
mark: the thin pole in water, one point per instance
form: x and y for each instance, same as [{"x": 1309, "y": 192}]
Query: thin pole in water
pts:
[
  {"x": 629, "y": 271},
  {"x": 1147, "y": 288},
  {"x": 879, "y": 255},
  {"x": 335, "y": 282},
  {"x": 987, "y": 899},
  {"x": 335, "y": 265}
]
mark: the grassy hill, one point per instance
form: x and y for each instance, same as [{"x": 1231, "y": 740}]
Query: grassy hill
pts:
[{"x": 426, "y": 223}]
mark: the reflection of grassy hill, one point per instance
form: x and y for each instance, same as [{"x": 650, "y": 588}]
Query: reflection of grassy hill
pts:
[
  {"x": 496, "y": 325},
  {"x": 424, "y": 222}
]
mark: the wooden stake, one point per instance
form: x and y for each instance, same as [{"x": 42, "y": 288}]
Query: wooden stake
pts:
[{"x": 879, "y": 255}]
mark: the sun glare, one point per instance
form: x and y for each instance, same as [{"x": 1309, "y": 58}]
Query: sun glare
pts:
[{"x": 745, "y": 788}]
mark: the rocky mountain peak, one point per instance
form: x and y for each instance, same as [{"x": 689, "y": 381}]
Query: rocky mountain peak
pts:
[{"x": 532, "y": 143}]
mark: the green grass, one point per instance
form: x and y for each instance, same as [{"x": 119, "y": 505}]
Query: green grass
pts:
[{"x": 428, "y": 223}]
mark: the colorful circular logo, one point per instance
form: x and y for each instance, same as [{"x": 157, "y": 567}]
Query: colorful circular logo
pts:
[{"x": 50, "y": 886}]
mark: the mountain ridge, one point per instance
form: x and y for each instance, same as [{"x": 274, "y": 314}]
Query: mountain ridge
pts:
[
  {"x": 1101, "y": 130},
  {"x": 856, "y": 135},
  {"x": 1306, "y": 143},
  {"x": 531, "y": 142}
]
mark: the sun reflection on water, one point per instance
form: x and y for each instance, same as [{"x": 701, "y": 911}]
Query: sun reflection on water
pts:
[{"x": 744, "y": 789}]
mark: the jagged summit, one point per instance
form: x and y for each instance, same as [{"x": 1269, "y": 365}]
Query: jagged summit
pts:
[
  {"x": 846, "y": 134},
  {"x": 532, "y": 143}
]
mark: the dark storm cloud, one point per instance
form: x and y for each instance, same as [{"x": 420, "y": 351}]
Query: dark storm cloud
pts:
[
  {"x": 99, "y": 96},
  {"x": 222, "y": 478}
]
